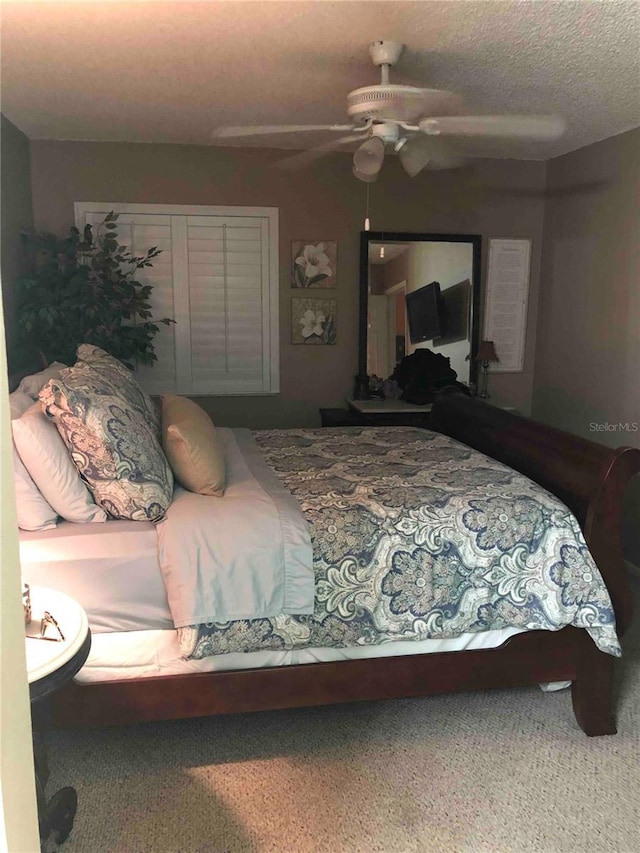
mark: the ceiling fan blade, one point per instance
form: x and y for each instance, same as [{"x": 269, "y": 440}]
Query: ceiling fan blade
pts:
[
  {"x": 543, "y": 128},
  {"x": 446, "y": 161},
  {"x": 305, "y": 158},
  {"x": 268, "y": 129}
]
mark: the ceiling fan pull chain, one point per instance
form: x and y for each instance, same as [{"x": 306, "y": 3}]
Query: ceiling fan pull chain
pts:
[{"x": 367, "y": 222}]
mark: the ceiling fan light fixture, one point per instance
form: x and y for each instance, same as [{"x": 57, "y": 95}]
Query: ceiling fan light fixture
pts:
[
  {"x": 414, "y": 157},
  {"x": 368, "y": 179},
  {"x": 368, "y": 158}
]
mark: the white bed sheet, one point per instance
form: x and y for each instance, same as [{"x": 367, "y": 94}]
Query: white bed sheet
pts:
[
  {"x": 142, "y": 654},
  {"x": 108, "y": 566},
  {"x": 112, "y": 568}
]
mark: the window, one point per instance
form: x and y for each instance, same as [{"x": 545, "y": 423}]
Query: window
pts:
[{"x": 217, "y": 277}]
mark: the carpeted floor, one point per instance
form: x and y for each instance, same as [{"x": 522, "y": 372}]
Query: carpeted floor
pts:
[{"x": 495, "y": 771}]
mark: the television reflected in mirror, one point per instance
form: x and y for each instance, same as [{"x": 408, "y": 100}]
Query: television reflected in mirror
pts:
[
  {"x": 455, "y": 310},
  {"x": 424, "y": 313},
  {"x": 417, "y": 291}
]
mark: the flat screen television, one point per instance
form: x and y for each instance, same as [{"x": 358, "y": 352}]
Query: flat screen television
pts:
[
  {"x": 455, "y": 313},
  {"x": 423, "y": 313}
]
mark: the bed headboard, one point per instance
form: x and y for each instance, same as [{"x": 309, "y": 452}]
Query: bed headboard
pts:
[{"x": 589, "y": 478}]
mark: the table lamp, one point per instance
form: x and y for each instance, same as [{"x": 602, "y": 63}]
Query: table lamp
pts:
[{"x": 486, "y": 354}]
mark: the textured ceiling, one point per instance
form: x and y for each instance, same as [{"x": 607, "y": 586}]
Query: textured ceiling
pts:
[{"x": 158, "y": 71}]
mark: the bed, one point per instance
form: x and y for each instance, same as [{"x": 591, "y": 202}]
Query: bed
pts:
[{"x": 125, "y": 597}]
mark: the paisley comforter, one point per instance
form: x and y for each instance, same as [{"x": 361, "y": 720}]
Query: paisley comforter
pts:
[{"x": 417, "y": 536}]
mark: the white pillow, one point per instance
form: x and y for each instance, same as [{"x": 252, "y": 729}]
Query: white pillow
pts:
[
  {"x": 33, "y": 384},
  {"x": 19, "y": 402},
  {"x": 33, "y": 512},
  {"x": 47, "y": 460}
]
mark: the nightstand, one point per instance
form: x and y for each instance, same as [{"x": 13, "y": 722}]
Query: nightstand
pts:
[
  {"x": 338, "y": 418},
  {"x": 51, "y": 663},
  {"x": 390, "y": 413}
]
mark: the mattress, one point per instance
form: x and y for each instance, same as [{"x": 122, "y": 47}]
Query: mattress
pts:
[{"x": 110, "y": 568}]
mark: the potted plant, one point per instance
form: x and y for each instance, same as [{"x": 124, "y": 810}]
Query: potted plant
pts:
[{"x": 84, "y": 288}]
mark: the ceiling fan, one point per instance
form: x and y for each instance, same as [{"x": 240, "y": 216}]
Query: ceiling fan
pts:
[{"x": 408, "y": 120}]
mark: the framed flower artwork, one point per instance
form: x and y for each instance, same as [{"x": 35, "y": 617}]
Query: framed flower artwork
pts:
[
  {"x": 313, "y": 263},
  {"x": 313, "y": 321}
]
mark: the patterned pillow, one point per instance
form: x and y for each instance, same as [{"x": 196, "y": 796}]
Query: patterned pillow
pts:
[
  {"x": 111, "y": 443},
  {"x": 123, "y": 379}
]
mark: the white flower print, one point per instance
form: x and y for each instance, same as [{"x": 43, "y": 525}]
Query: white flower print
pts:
[
  {"x": 312, "y": 323},
  {"x": 314, "y": 261}
]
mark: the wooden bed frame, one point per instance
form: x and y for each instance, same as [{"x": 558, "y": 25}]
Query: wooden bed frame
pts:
[{"x": 589, "y": 478}]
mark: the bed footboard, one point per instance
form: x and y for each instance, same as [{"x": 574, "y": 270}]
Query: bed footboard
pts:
[{"x": 592, "y": 689}]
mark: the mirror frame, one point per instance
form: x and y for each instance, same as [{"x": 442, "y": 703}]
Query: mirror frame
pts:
[{"x": 475, "y": 240}]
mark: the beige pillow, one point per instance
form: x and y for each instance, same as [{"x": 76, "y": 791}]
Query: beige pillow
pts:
[{"x": 193, "y": 446}]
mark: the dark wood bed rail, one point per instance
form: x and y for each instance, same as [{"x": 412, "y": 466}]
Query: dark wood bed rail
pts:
[{"x": 589, "y": 478}]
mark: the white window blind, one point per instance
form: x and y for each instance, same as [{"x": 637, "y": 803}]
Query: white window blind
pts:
[{"x": 217, "y": 277}]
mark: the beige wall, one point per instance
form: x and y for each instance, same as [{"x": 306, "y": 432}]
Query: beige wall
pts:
[
  {"x": 588, "y": 352},
  {"x": 493, "y": 199},
  {"x": 15, "y": 213}
]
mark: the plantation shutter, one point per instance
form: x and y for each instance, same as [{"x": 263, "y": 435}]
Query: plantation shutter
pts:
[
  {"x": 229, "y": 292},
  {"x": 217, "y": 278}
]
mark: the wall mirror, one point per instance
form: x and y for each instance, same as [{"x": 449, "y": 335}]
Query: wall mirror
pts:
[{"x": 393, "y": 266}]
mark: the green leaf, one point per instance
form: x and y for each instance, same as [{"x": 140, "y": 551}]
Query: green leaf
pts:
[
  {"x": 80, "y": 289},
  {"x": 315, "y": 279}
]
